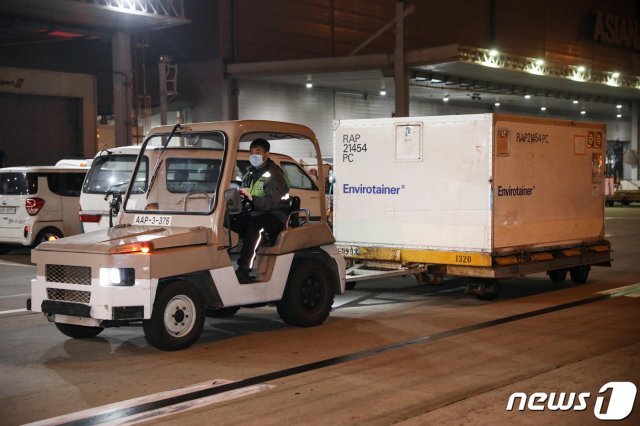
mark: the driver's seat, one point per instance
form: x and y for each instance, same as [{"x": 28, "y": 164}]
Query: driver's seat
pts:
[{"x": 292, "y": 207}]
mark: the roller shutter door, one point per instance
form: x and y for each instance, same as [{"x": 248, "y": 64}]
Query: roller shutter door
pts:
[{"x": 39, "y": 130}]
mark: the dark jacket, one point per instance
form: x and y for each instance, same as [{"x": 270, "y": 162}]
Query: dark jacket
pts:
[{"x": 267, "y": 184}]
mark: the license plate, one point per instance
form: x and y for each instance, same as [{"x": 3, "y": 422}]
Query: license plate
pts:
[
  {"x": 7, "y": 210},
  {"x": 152, "y": 220}
]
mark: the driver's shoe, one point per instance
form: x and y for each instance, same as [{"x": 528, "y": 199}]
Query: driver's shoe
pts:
[{"x": 243, "y": 275}]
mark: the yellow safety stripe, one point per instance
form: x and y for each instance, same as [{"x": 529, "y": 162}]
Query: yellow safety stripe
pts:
[{"x": 405, "y": 256}]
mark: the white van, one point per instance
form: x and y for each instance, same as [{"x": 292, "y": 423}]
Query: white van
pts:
[
  {"x": 38, "y": 204},
  {"x": 111, "y": 170}
]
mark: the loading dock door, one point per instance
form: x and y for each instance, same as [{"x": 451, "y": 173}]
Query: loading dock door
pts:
[{"x": 39, "y": 130}]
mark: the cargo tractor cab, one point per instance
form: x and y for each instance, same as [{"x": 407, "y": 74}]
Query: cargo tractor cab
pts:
[{"x": 169, "y": 259}]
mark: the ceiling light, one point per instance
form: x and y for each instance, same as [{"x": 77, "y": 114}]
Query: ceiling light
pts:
[
  {"x": 619, "y": 115},
  {"x": 493, "y": 53},
  {"x": 446, "y": 98},
  {"x": 583, "y": 112},
  {"x": 309, "y": 84},
  {"x": 543, "y": 108},
  {"x": 575, "y": 101},
  {"x": 497, "y": 104},
  {"x": 383, "y": 92},
  {"x": 619, "y": 106},
  {"x": 527, "y": 96},
  {"x": 615, "y": 75},
  {"x": 581, "y": 68}
]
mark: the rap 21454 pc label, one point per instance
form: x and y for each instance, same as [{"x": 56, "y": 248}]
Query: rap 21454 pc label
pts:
[{"x": 351, "y": 147}]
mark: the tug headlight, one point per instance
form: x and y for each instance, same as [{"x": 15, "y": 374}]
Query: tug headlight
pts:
[{"x": 117, "y": 277}]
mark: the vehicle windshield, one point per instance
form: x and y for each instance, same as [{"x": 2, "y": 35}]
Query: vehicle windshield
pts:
[
  {"x": 111, "y": 172},
  {"x": 18, "y": 184},
  {"x": 183, "y": 177}
]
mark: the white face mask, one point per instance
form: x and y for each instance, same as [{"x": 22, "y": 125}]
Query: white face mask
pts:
[{"x": 256, "y": 160}]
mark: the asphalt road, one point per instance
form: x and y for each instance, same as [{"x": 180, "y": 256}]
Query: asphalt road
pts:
[{"x": 393, "y": 351}]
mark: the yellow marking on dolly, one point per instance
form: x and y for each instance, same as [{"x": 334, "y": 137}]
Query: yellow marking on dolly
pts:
[
  {"x": 406, "y": 256},
  {"x": 507, "y": 260}
]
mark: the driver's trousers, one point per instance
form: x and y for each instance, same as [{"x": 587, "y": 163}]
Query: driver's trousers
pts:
[{"x": 253, "y": 229}]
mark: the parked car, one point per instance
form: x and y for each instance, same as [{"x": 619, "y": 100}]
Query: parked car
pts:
[{"x": 38, "y": 203}]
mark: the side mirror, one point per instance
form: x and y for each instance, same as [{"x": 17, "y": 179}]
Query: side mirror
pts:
[{"x": 233, "y": 201}]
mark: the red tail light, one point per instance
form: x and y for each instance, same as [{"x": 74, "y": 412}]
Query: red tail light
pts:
[
  {"x": 90, "y": 218},
  {"x": 33, "y": 205}
]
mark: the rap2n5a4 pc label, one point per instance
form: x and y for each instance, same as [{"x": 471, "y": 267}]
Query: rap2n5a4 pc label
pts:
[{"x": 614, "y": 401}]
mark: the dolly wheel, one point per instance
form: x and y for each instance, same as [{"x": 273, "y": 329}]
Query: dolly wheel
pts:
[
  {"x": 558, "y": 275},
  {"x": 579, "y": 274}
]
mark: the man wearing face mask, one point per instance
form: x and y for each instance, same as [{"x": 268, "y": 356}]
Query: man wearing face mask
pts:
[{"x": 264, "y": 186}]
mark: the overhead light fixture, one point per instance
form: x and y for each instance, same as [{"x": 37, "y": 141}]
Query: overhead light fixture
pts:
[
  {"x": 527, "y": 96},
  {"x": 309, "y": 84},
  {"x": 583, "y": 112},
  {"x": 575, "y": 101},
  {"x": 383, "y": 89},
  {"x": 535, "y": 66},
  {"x": 619, "y": 106},
  {"x": 490, "y": 58},
  {"x": 619, "y": 115},
  {"x": 544, "y": 108},
  {"x": 612, "y": 79},
  {"x": 445, "y": 98},
  {"x": 578, "y": 73},
  {"x": 497, "y": 104}
]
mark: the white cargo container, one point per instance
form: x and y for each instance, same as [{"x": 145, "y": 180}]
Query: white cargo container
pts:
[{"x": 484, "y": 195}]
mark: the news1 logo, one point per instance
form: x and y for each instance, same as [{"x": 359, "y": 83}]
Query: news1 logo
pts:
[{"x": 620, "y": 401}]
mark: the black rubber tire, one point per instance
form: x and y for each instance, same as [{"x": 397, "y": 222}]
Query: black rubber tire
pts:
[
  {"x": 580, "y": 274},
  {"x": 78, "y": 331},
  {"x": 222, "y": 312},
  {"x": 557, "y": 275},
  {"x": 484, "y": 289},
  {"x": 177, "y": 318},
  {"x": 308, "y": 295},
  {"x": 44, "y": 235},
  {"x": 4, "y": 248}
]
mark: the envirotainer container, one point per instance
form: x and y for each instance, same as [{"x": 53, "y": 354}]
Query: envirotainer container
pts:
[{"x": 486, "y": 195}]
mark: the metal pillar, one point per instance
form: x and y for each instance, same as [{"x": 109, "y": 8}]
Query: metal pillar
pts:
[
  {"x": 122, "y": 77},
  {"x": 401, "y": 76},
  {"x": 635, "y": 139}
]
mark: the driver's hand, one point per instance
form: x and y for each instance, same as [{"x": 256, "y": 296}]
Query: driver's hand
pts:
[{"x": 246, "y": 194}]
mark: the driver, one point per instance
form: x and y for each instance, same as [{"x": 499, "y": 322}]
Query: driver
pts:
[{"x": 264, "y": 186}]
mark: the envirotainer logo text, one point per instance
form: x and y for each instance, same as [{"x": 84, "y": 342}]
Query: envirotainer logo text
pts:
[{"x": 371, "y": 189}]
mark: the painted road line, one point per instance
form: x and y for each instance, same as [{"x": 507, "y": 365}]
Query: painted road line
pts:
[
  {"x": 111, "y": 417},
  {"x": 632, "y": 290},
  {"x": 84, "y": 416},
  {"x": 13, "y": 311},
  {"x": 15, "y": 295},
  {"x": 16, "y": 264}
]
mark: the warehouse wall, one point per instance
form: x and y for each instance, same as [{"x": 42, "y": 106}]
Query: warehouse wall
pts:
[{"x": 46, "y": 116}]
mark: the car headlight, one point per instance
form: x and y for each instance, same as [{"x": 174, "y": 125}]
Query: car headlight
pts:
[{"x": 117, "y": 277}]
